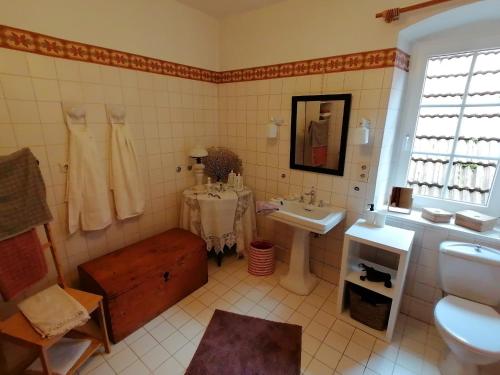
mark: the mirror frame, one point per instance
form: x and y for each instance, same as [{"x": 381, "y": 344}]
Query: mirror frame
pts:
[{"x": 347, "y": 98}]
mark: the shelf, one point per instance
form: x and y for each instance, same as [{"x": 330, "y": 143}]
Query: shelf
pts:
[
  {"x": 93, "y": 347},
  {"x": 395, "y": 241},
  {"x": 354, "y": 272},
  {"x": 388, "y": 238},
  {"x": 89, "y": 331},
  {"x": 346, "y": 317}
]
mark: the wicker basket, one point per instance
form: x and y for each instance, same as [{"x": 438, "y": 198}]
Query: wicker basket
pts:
[
  {"x": 261, "y": 258},
  {"x": 368, "y": 307}
]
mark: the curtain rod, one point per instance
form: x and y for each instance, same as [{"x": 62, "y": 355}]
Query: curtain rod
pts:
[{"x": 392, "y": 14}]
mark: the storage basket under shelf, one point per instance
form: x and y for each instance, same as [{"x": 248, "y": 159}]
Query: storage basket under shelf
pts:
[{"x": 368, "y": 307}]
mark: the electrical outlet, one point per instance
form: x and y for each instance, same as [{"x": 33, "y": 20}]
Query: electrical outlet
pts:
[{"x": 363, "y": 172}]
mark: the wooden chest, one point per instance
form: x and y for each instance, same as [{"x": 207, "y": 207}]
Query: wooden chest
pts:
[{"x": 142, "y": 280}]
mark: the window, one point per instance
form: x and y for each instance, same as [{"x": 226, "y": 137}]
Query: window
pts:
[{"x": 456, "y": 146}]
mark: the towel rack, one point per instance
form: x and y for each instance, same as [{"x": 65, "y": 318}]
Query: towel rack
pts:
[
  {"x": 18, "y": 330},
  {"x": 55, "y": 256}
]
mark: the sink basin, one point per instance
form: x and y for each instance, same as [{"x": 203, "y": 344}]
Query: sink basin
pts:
[
  {"x": 304, "y": 219},
  {"x": 311, "y": 218}
]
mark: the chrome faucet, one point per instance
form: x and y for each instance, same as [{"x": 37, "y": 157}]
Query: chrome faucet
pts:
[{"x": 312, "y": 195}]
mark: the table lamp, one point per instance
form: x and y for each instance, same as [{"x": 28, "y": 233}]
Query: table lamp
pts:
[{"x": 197, "y": 153}]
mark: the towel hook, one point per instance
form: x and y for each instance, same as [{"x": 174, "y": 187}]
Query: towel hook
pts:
[
  {"x": 74, "y": 112},
  {"x": 116, "y": 113}
]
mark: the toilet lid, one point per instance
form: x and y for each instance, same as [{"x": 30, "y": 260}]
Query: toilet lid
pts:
[{"x": 471, "y": 323}]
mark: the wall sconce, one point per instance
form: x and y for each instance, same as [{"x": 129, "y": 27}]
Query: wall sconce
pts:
[
  {"x": 272, "y": 127},
  {"x": 361, "y": 135},
  {"x": 197, "y": 153}
]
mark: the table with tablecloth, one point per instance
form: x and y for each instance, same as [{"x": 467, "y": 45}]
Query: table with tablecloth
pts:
[{"x": 243, "y": 228}]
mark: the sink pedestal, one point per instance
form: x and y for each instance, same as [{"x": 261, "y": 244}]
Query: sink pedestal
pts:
[{"x": 299, "y": 279}]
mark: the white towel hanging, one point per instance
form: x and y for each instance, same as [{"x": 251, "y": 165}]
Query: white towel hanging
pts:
[
  {"x": 86, "y": 188},
  {"x": 125, "y": 175}
]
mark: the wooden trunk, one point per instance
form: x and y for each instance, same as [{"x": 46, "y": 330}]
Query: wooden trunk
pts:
[{"x": 142, "y": 280}]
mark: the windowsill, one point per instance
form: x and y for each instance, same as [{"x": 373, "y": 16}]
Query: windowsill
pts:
[{"x": 416, "y": 217}]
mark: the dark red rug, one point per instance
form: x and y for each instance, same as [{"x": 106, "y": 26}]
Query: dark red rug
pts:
[{"x": 236, "y": 344}]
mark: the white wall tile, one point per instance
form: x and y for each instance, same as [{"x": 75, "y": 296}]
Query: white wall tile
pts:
[
  {"x": 31, "y": 115},
  {"x": 67, "y": 70},
  {"x": 17, "y": 87},
  {"x": 41, "y": 66},
  {"x": 46, "y": 89},
  {"x": 13, "y": 62},
  {"x": 22, "y": 111}
]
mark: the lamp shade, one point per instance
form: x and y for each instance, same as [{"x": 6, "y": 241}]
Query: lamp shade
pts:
[{"x": 198, "y": 152}]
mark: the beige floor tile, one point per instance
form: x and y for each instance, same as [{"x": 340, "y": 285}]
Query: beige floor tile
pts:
[
  {"x": 174, "y": 342},
  {"x": 170, "y": 367},
  {"x": 357, "y": 352},
  {"x": 328, "y": 356},
  {"x": 316, "y": 367},
  {"x": 162, "y": 331},
  {"x": 329, "y": 345},
  {"x": 348, "y": 366},
  {"x": 155, "y": 357}
]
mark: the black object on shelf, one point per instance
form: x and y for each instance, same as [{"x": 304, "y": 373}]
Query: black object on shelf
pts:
[{"x": 374, "y": 275}]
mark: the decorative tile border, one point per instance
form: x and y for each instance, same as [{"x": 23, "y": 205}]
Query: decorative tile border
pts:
[
  {"x": 333, "y": 64},
  {"x": 28, "y": 41}
]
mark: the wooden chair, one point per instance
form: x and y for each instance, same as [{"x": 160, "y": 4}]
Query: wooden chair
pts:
[{"x": 17, "y": 328}]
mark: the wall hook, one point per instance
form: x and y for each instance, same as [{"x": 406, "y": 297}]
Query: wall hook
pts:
[{"x": 116, "y": 113}]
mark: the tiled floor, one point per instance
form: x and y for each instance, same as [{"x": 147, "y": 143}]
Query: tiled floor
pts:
[{"x": 166, "y": 345}]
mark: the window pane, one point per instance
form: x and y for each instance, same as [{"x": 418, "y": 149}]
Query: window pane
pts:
[
  {"x": 457, "y": 139},
  {"x": 481, "y": 122},
  {"x": 444, "y": 91},
  {"x": 484, "y": 89},
  {"x": 485, "y": 81},
  {"x": 438, "y": 121},
  {"x": 487, "y": 60},
  {"x": 434, "y": 144},
  {"x": 471, "y": 180},
  {"x": 426, "y": 174},
  {"x": 481, "y": 146},
  {"x": 451, "y": 64}
]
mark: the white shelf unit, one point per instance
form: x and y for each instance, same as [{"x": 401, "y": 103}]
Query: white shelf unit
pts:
[{"x": 385, "y": 245}]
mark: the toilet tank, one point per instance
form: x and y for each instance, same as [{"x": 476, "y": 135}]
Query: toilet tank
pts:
[{"x": 470, "y": 271}]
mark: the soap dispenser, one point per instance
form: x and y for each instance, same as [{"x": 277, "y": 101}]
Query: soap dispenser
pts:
[{"x": 370, "y": 214}]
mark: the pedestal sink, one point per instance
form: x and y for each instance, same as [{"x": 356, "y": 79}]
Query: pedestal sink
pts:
[{"x": 304, "y": 219}]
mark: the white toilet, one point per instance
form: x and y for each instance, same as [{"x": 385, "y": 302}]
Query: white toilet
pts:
[{"x": 470, "y": 275}]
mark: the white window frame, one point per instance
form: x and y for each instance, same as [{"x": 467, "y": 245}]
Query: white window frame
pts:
[{"x": 421, "y": 52}]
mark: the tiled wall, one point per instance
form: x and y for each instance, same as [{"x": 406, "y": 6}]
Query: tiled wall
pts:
[
  {"x": 422, "y": 283},
  {"x": 168, "y": 115},
  {"x": 245, "y": 109}
]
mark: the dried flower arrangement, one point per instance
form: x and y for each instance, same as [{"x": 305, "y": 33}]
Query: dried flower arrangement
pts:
[{"x": 220, "y": 162}]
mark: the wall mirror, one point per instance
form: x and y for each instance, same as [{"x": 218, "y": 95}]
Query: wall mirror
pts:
[
  {"x": 401, "y": 200},
  {"x": 319, "y": 127}
]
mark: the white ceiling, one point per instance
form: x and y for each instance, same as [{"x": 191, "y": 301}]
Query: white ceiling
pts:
[{"x": 222, "y": 8}]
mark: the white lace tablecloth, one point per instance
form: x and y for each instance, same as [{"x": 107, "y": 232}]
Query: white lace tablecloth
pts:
[{"x": 244, "y": 227}]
